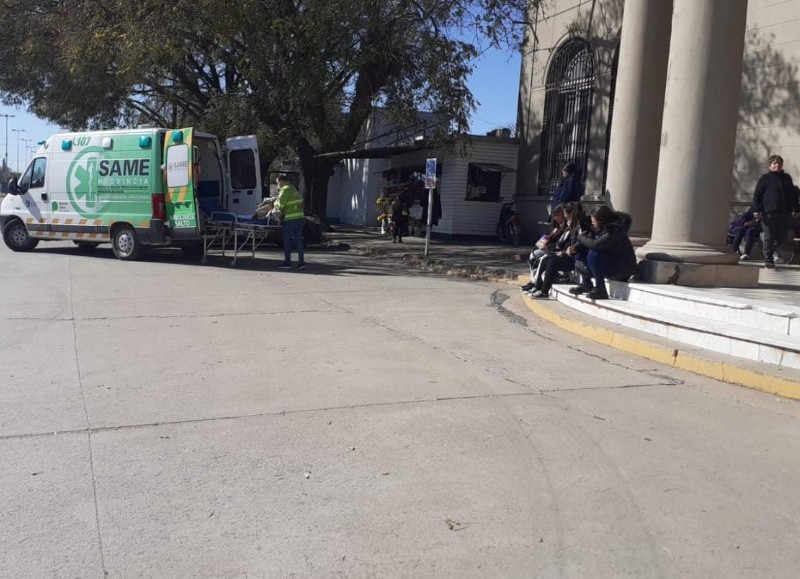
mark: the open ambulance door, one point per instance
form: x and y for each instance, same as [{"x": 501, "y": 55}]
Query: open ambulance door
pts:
[
  {"x": 244, "y": 170},
  {"x": 180, "y": 176}
]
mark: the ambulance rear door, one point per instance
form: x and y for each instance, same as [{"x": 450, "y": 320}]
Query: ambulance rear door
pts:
[
  {"x": 244, "y": 171},
  {"x": 179, "y": 184}
]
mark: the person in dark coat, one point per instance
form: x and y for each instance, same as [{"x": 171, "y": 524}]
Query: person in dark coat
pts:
[
  {"x": 604, "y": 253},
  {"x": 570, "y": 189},
  {"x": 399, "y": 218},
  {"x": 774, "y": 200}
]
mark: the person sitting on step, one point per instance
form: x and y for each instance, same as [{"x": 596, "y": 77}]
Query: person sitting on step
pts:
[
  {"x": 545, "y": 245},
  {"x": 607, "y": 252},
  {"x": 747, "y": 228},
  {"x": 558, "y": 262}
]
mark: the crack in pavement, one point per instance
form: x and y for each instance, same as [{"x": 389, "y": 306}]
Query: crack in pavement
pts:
[
  {"x": 88, "y": 422},
  {"x": 600, "y": 388},
  {"x": 143, "y": 425},
  {"x": 497, "y": 299},
  {"x": 167, "y": 317}
]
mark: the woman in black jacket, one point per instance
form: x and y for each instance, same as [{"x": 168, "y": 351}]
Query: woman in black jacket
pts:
[{"x": 607, "y": 252}]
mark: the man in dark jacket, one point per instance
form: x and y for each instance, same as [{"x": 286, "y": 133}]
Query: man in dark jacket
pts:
[
  {"x": 774, "y": 200},
  {"x": 570, "y": 188},
  {"x": 605, "y": 253}
]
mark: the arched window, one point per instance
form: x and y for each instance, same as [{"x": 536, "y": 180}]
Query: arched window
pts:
[{"x": 567, "y": 112}]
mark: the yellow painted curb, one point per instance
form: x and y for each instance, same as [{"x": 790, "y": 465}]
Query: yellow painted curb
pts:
[{"x": 723, "y": 371}]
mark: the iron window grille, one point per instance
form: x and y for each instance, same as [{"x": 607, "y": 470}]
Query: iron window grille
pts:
[{"x": 567, "y": 113}]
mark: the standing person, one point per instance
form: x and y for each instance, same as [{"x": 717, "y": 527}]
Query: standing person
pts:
[
  {"x": 399, "y": 218},
  {"x": 384, "y": 207},
  {"x": 290, "y": 203},
  {"x": 570, "y": 189},
  {"x": 774, "y": 201},
  {"x": 606, "y": 253}
]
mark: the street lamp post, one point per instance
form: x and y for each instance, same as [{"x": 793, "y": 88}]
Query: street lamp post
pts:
[
  {"x": 26, "y": 148},
  {"x": 18, "y": 131},
  {"x": 7, "y": 117}
]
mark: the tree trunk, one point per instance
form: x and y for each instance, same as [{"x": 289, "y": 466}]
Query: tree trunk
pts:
[{"x": 316, "y": 174}]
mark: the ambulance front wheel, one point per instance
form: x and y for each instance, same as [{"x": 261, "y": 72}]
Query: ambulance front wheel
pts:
[
  {"x": 125, "y": 243},
  {"x": 17, "y": 238}
]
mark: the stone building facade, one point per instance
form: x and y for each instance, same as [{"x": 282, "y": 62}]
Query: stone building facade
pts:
[{"x": 670, "y": 107}]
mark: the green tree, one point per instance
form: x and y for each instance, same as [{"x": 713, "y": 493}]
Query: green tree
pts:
[{"x": 303, "y": 74}]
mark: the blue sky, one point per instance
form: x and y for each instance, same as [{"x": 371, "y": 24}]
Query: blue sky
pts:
[
  {"x": 31, "y": 131},
  {"x": 495, "y": 84}
]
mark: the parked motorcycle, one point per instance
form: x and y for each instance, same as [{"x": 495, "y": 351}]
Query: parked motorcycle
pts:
[
  {"x": 509, "y": 229},
  {"x": 313, "y": 231}
]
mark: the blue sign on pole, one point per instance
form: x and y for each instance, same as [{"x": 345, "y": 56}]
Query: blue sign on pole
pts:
[
  {"x": 430, "y": 174},
  {"x": 430, "y": 185}
]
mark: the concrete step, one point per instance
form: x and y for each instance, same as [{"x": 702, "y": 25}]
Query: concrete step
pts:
[
  {"x": 783, "y": 275},
  {"x": 661, "y": 317},
  {"x": 753, "y": 314}
]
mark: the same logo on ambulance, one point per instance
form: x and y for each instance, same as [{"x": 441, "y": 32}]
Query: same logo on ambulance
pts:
[
  {"x": 126, "y": 179},
  {"x": 82, "y": 188}
]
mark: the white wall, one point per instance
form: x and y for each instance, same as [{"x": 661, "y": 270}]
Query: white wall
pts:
[
  {"x": 476, "y": 217},
  {"x": 357, "y": 183},
  {"x": 459, "y": 216},
  {"x": 353, "y": 190}
]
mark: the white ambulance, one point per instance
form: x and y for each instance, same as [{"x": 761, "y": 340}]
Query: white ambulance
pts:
[{"x": 132, "y": 188}]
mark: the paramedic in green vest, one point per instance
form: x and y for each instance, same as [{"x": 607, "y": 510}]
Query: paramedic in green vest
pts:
[{"x": 290, "y": 203}]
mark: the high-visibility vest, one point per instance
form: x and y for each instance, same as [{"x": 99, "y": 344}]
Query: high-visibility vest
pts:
[{"x": 290, "y": 202}]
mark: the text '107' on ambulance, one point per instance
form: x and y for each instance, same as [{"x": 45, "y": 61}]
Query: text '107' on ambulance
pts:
[{"x": 131, "y": 188}]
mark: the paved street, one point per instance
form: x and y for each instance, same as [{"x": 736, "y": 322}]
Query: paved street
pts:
[{"x": 168, "y": 419}]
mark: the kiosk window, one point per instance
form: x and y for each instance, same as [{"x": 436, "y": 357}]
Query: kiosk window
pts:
[{"x": 482, "y": 184}]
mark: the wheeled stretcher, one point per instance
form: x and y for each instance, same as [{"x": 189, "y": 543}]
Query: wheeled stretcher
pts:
[{"x": 225, "y": 232}]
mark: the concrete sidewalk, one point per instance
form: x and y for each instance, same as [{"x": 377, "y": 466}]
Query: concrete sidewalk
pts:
[{"x": 477, "y": 259}]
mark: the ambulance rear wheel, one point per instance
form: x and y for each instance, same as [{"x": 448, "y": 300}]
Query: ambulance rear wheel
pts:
[
  {"x": 126, "y": 244},
  {"x": 17, "y": 238}
]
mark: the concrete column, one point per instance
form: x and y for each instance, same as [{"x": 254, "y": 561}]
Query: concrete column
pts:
[
  {"x": 638, "y": 107},
  {"x": 698, "y": 133}
]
